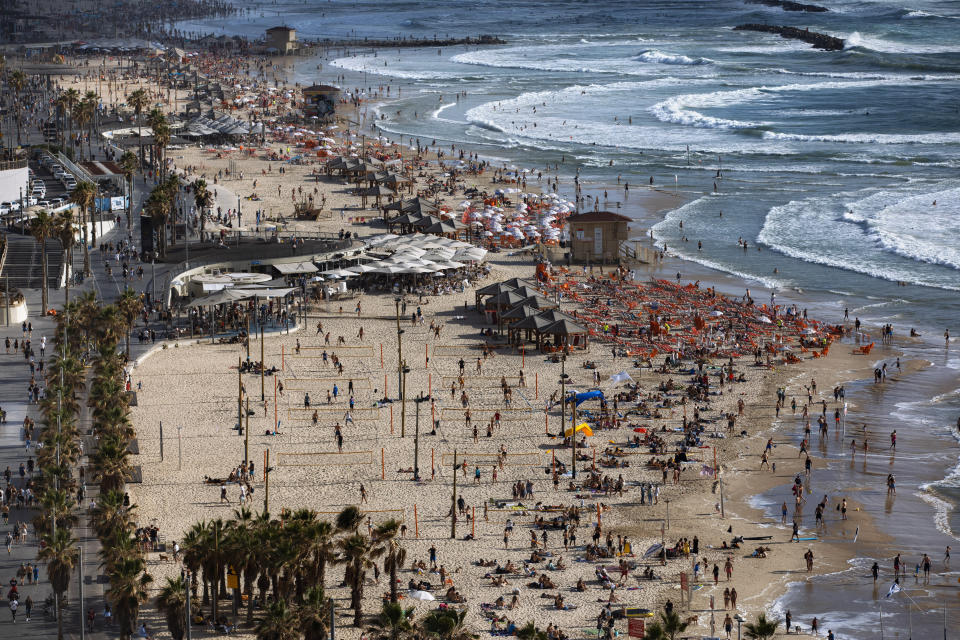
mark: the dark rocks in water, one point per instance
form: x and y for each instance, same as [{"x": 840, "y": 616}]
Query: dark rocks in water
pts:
[
  {"x": 786, "y": 5},
  {"x": 818, "y": 40},
  {"x": 394, "y": 43}
]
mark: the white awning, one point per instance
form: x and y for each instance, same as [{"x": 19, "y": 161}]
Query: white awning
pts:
[{"x": 287, "y": 268}]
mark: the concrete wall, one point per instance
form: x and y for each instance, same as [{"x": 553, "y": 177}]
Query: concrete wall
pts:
[
  {"x": 12, "y": 182},
  {"x": 18, "y": 312}
]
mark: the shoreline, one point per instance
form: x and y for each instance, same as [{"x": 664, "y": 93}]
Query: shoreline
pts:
[{"x": 705, "y": 281}]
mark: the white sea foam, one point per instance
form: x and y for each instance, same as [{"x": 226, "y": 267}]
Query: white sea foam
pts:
[
  {"x": 854, "y": 230},
  {"x": 681, "y": 110},
  {"x": 380, "y": 65},
  {"x": 652, "y": 55},
  {"x": 881, "y": 45}
]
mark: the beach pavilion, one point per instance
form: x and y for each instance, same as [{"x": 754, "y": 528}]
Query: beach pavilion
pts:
[{"x": 565, "y": 333}]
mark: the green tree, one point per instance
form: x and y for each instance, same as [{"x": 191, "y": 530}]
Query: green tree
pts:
[
  {"x": 396, "y": 556},
  {"x": 128, "y": 590},
  {"x": 447, "y": 624},
  {"x": 530, "y": 631},
  {"x": 65, "y": 232},
  {"x": 666, "y": 628},
  {"x": 92, "y": 102},
  {"x": 762, "y": 629},
  {"x": 172, "y": 601},
  {"x": 394, "y": 622},
  {"x": 84, "y": 195},
  {"x": 130, "y": 306},
  {"x": 314, "y": 615},
  {"x": 129, "y": 164},
  {"x": 358, "y": 552},
  {"x": 279, "y": 623},
  {"x": 43, "y": 226},
  {"x": 17, "y": 82},
  {"x": 70, "y": 99},
  {"x": 59, "y": 552},
  {"x": 204, "y": 200},
  {"x": 138, "y": 101}
]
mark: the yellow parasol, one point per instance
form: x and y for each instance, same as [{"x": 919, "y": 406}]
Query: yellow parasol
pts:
[{"x": 583, "y": 426}]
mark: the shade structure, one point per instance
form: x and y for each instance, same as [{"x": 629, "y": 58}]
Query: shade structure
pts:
[
  {"x": 442, "y": 226},
  {"x": 339, "y": 273},
  {"x": 423, "y": 596},
  {"x": 390, "y": 269},
  {"x": 229, "y": 296},
  {"x": 287, "y": 268},
  {"x": 519, "y": 312},
  {"x": 360, "y": 268},
  {"x": 426, "y": 221}
]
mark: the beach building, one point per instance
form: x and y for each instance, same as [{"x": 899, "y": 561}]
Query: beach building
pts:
[
  {"x": 14, "y": 180},
  {"x": 596, "y": 236},
  {"x": 283, "y": 39}
]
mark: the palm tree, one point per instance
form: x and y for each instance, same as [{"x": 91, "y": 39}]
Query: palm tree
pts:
[
  {"x": 111, "y": 462},
  {"x": 244, "y": 549},
  {"x": 109, "y": 515},
  {"x": 320, "y": 542},
  {"x": 17, "y": 81},
  {"x": 158, "y": 124},
  {"x": 194, "y": 546},
  {"x": 129, "y": 165},
  {"x": 59, "y": 552},
  {"x": 396, "y": 556},
  {"x": 349, "y": 519},
  {"x": 204, "y": 200},
  {"x": 172, "y": 601},
  {"x": 92, "y": 100},
  {"x": 138, "y": 101},
  {"x": 157, "y": 207},
  {"x": 43, "y": 226},
  {"x": 279, "y": 623},
  {"x": 667, "y": 627},
  {"x": 762, "y": 629},
  {"x": 447, "y": 624},
  {"x": 65, "y": 232},
  {"x": 84, "y": 196},
  {"x": 130, "y": 306},
  {"x": 70, "y": 99},
  {"x": 314, "y": 615},
  {"x": 128, "y": 590},
  {"x": 358, "y": 553},
  {"x": 82, "y": 114},
  {"x": 394, "y": 622},
  {"x": 171, "y": 187}
]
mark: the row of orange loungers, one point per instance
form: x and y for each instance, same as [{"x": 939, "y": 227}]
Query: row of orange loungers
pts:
[{"x": 685, "y": 316}]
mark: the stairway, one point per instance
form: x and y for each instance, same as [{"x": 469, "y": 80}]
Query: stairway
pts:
[{"x": 23, "y": 266}]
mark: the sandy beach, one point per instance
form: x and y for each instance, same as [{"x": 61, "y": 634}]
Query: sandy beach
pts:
[{"x": 191, "y": 388}]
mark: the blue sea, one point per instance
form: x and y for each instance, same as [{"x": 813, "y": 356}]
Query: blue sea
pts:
[{"x": 840, "y": 170}]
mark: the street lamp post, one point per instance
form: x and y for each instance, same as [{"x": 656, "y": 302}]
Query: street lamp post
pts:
[{"x": 739, "y": 620}]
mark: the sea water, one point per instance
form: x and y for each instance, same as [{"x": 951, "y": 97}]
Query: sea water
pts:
[{"x": 840, "y": 170}]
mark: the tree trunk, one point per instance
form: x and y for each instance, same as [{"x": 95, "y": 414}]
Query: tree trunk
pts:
[
  {"x": 130, "y": 202},
  {"x": 393, "y": 579},
  {"x": 248, "y": 589}
]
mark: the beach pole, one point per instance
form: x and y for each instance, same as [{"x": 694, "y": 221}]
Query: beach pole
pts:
[
  {"x": 246, "y": 436},
  {"x": 383, "y": 467},
  {"x": 263, "y": 365},
  {"x": 416, "y": 523},
  {"x": 239, "y": 395},
  {"x": 266, "y": 481},
  {"x": 453, "y": 504},
  {"x": 274, "y": 403},
  {"x": 473, "y": 523}
]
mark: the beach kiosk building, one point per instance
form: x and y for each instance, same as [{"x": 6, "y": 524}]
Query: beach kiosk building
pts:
[
  {"x": 595, "y": 237},
  {"x": 283, "y": 39}
]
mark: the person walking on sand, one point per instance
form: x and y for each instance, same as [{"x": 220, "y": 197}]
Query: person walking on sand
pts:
[
  {"x": 728, "y": 625},
  {"x": 363, "y": 493},
  {"x": 733, "y": 598}
]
